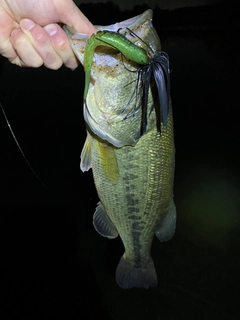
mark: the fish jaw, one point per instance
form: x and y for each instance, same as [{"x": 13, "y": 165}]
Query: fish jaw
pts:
[{"x": 110, "y": 105}]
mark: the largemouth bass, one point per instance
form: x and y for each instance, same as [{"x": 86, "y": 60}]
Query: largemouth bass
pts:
[{"x": 133, "y": 169}]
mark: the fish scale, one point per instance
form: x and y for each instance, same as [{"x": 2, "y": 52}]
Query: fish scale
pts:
[
  {"x": 133, "y": 172},
  {"x": 135, "y": 203}
]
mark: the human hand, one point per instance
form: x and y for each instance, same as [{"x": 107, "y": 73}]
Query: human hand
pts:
[{"x": 31, "y": 37}]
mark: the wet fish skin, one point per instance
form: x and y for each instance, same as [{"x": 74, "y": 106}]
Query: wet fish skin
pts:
[
  {"x": 138, "y": 202},
  {"x": 133, "y": 177}
]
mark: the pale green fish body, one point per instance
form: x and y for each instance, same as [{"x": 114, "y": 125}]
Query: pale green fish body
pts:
[{"x": 133, "y": 173}]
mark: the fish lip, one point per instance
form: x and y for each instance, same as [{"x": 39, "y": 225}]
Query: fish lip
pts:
[
  {"x": 120, "y": 27},
  {"x": 129, "y": 23},
  {"x": 78, "y": 40}
]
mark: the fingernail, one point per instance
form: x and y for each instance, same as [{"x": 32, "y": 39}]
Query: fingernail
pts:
[
  {"x": 15, "y": 32},
  {"x": 71, "y": 64},
  {"x": 51, "y": 29},
  {"x": 27, "y": 24}
]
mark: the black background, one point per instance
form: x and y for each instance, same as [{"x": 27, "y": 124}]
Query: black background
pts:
[{"x": 53, "y": 261}]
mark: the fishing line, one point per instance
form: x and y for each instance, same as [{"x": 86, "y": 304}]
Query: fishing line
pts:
[
  {"x": 133, "y": 34},
  {"x": 20, "y": 149}
]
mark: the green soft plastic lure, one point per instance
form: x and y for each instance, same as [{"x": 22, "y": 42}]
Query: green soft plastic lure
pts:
[
  {"x": 114, "y": 40},
  {"x": 153, "y": 67}
]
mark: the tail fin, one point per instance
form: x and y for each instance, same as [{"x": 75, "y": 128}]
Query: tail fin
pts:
[{"x": 128, "y": 275}]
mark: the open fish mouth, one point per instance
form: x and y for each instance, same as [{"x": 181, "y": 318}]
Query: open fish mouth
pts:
[
  {"x": 121, "y": 93},
  {"x": 138, "y": 24}
]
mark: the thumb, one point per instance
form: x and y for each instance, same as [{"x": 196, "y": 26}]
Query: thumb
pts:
[{"x": 74, "y": 18}]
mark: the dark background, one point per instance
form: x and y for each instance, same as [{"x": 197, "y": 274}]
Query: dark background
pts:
[{"x": 53, "y": 261}]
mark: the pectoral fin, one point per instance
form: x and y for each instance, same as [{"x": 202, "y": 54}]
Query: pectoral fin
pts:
[
  {"x": 108, "y": 162},
  {"x": 102, "y": 223},
  {"x": 86, "y": 162}
]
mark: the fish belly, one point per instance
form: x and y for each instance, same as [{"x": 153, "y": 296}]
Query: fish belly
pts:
[{"x": 136, "y": 199}]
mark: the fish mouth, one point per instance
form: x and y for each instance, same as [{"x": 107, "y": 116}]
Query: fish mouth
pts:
[
  {"x": 137, "y": 24},
  {"x": 103, "y": 113}
]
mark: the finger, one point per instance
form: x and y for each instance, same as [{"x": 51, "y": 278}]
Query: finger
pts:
[
  {"x": 40, "y": 41},
  {"x": 6, "y": 27},
  {"x": 61, "y": 45},
  {"x": 25, "y": 54},
  {"x": 70, "y": 14}
]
